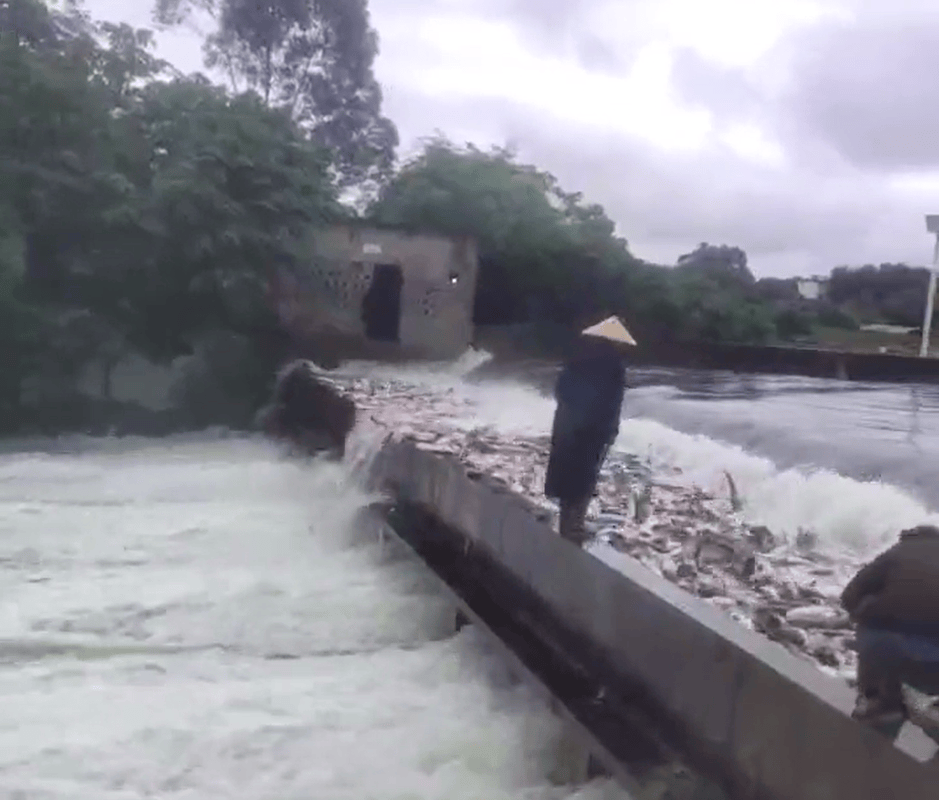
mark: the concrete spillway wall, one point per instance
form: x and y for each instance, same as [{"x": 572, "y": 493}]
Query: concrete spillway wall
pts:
[
  {"x": 738, "y": 708},
  {"x": 811, "y": 362},
  {"x": 517, "y": 344}
]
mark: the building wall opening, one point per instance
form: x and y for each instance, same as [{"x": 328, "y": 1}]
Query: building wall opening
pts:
[{"x": 381, "y": 306}]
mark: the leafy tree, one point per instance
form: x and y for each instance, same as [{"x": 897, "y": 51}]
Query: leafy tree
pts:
[
  {"x": 312, "y": 59},
  {"x": 137, "y": 214},
  {"x": 791, "y": 324},
  {"x": 48, "y": 123},
  {"x": 543, "y": 255},
  {"x": 233, "y": 191},
  {"x": 724, "y": 265},
  {"x": 715, "y": 312},
  {"x": 547, "y": 256},
  {"x": 778, "y": 290},
  {"x": 892, "y": 293},
  {"x": 833, "y": 317}
]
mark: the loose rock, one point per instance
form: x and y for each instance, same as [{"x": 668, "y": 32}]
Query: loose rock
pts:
[
  {"x": 761, "y": 538},
  {"x": 817, "y": 617}
]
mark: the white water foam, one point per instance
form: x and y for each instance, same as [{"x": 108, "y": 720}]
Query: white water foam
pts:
[
  {"x": 204, "y": 620},
  {"x": 861, "y": 517},
  {"x": 428, "y": 373}
]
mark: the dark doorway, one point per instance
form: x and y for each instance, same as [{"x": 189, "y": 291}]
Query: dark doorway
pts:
[{"x": 381, "y": 306}]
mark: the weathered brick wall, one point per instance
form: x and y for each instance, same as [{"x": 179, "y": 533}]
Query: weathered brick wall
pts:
[{"x": 436, "y": 297}]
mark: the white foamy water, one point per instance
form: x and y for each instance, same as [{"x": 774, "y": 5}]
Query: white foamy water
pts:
[
  {"x": 203, "y": 620},
  {"x": 861, "y": 517}
]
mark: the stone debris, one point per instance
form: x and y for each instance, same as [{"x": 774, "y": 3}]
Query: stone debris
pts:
[
  {"x": 785, "y": 587},
  {"x": 817, "y": 618},
  {"x": 923, "y": 710}
]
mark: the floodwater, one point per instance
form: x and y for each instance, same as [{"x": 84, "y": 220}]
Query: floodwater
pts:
[
  {"x": 868, "y": 431},
  {"x": 852, "y": 463},
  {"x": 202, "y": 619}
]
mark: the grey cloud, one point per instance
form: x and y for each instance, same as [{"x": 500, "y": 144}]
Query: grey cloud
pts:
[
  {"x": 789, "y": 222},
  {"x": 560, "y": 28},
  {"x": 724, "y": 90},
  {"x": 554, "y": 28},
  {"x": 865, "y": 92},
  {"x": 869, "y": 90},
  {"x": 547, "y": 19},
  {"x": 596, "y": 55},
  {"x": 819, "y": 213}
]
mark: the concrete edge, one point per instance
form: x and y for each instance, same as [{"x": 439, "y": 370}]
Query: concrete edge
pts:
[{"x": 765, "y": 721}]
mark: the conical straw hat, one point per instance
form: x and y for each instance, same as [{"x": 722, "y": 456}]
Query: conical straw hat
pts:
[{"x": 612, "y": 329}]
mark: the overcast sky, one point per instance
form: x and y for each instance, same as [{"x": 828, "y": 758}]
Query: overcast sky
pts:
[{"x": 804, "y": 131}]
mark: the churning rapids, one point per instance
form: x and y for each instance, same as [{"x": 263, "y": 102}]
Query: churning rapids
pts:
[{"x": 201, "y": 618}]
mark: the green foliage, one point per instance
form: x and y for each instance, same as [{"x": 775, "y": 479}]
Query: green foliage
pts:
[
  {"x": 890, "y": 293},
  {"x": 715, "y": 310},
  {"x": 545, "y": 255},
  {"x": 723, "y": 265},
  {"x": 792, "y": 324},
  {"x": 310, "y": 59},
  {"x": 232, "y": 190},
  {"x": 778, "y": 290},
  {"x": 834, "y": 317},
  {"x": 136, "y": 213}
]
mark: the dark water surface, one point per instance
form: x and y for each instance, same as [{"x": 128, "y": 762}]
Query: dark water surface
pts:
[{"x": 867, "y": 431}]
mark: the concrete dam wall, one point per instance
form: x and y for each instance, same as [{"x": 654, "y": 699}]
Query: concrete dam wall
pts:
[
  {"x": 514, "y": 344},
  {"x": 672, "y": 697}
]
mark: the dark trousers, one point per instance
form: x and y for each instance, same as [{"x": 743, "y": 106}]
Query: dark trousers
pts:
[
  {"x": 888, "y": 657},
  {"x": 573, "y": 517}
]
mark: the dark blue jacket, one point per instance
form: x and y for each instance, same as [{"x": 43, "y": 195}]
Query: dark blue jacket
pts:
[{"x": 589, "y": 393}]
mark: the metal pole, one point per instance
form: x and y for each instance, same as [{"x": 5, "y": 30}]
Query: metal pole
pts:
[{"x": 930, "y": 301}]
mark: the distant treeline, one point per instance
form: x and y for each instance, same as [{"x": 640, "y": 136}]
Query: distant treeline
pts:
[{"x": 893, "y": 294}]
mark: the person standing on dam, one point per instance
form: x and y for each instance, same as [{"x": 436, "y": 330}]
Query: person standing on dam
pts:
[
  {"x": 894, "y": 602},
  {"x": 589, "y": 393}
]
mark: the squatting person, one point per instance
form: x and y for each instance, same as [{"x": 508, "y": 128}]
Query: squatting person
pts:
[
  {"x": 589, "y": 394},
  {"x": 894, "y": 601}
]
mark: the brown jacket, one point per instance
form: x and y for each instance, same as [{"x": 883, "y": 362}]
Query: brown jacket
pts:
[{"x": 899, "y": 588}]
